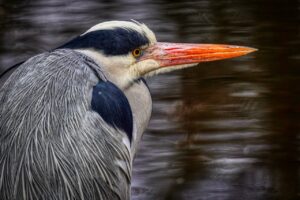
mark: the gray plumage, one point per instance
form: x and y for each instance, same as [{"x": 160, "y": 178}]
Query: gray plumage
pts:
[
  {"x": 71, "y": 119},
  {"x": 53, "y": 146}
]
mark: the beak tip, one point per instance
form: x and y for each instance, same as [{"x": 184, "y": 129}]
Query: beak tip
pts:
[{"x": 250, "y": 50}]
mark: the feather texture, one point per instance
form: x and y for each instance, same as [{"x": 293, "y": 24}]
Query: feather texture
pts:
[{"x": 52, "y": 144}]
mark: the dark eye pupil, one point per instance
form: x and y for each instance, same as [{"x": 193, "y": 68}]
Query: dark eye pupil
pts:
[{"x": 137, "y": 52}]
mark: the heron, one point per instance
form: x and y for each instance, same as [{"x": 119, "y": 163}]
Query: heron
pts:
[{"x": 72, "y": 118}]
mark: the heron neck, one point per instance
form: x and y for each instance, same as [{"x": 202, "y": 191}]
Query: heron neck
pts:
[{"x": 138, "y": 96}]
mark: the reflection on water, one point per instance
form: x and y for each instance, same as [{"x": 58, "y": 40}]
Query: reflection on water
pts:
[{"x": 224, "y": 130}]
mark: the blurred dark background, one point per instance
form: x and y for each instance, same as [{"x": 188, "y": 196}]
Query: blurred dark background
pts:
[{"x": 222, "y": 130}]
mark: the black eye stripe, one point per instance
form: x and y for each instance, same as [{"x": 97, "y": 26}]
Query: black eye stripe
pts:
[{"x": 117, "y": 41}]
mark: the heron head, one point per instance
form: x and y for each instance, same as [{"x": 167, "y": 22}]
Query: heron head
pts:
[{"x": 128, "y": 50}]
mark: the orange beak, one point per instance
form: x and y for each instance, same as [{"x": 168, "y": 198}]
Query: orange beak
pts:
[{"x": 172, "y": 54}]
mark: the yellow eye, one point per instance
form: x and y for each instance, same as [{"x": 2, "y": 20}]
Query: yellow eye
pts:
[{"x": 136, "y": 52}]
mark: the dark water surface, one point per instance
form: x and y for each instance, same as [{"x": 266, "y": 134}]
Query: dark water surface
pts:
[{"x": 223, "y": 130}]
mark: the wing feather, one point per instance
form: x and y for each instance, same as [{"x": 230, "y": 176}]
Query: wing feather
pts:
[{"x": 52, "y": 138}]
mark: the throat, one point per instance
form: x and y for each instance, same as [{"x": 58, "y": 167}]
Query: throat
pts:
[{"x": 140, "y": 102}]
